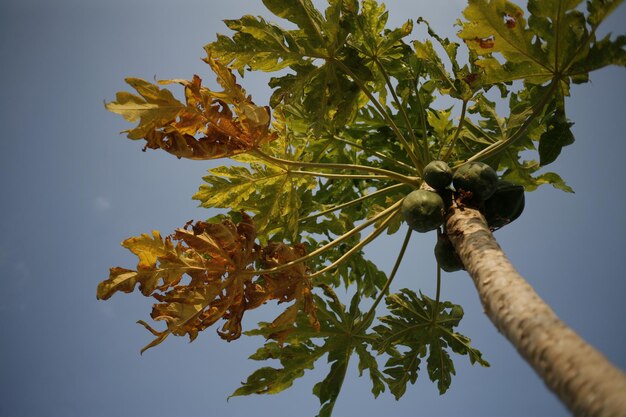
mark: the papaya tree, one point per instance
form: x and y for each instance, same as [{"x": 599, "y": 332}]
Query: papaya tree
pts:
[{"x": 351, "y": 146}]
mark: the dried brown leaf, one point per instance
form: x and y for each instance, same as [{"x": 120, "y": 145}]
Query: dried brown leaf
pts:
[
  {"x": 219, "y": 259},
  {"x": 209, "y": 125}
]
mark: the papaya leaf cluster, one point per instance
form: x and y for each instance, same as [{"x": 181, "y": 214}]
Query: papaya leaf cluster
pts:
[{"x": 328, "y": 165}]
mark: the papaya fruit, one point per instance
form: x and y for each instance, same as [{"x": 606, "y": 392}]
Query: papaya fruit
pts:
[
  {"x": 476, "y": 177},
  {"x": 446, "y": 256},
  {"x": 505, "y": 205},
  {"x": 437, "y": 174},
  {"x": 423, "y": 210}
]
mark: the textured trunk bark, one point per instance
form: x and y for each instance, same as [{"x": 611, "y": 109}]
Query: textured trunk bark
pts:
[{"x": 585, "y": 381}]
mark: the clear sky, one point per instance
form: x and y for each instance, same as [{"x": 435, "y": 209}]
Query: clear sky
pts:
[{"x": 73, "y": 188}]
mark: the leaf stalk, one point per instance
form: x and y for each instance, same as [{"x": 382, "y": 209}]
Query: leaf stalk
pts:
[
  {"x": 382, "y": 173},
  {"x": 385, "y": 115},
  {"x": 334, "y": 243}
]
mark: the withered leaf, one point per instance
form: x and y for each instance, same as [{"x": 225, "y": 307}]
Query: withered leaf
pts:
[
  {"x": 209, "y": 125},
  {"x": 218, "y": 258},
  {"x": 161, "y": 265},
  {"x": 287, "y": 285}
]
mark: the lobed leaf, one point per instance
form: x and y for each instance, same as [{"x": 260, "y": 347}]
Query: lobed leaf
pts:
[
  {"x": 153, "y": 107},
  {"x": 174, "y": 263},
  {"x": 257, "y": 45},
  {"x": 419, "y": 327},
  {"x": 209, "y": 125},
  {"x": 556, "y": 42},
  {"x": 219, "y": 259},
  {"x": 295, "y": 359},
  {"x": 552, "y": 131},
  {"x": 272, "y": 192},
  {"x": 342, "y": 331}
]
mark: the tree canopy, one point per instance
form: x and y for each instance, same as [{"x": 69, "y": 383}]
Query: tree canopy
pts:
[{"x": 324, "y": 168}]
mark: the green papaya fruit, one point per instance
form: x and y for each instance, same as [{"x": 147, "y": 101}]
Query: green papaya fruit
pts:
[
  {"x": 437, "y": 174},
  {"x": 423, "y": 210},
  {"x": 446, "y": 256},
  {"x": 505, "y": 205},
  {"x": 476, "y": 177}
]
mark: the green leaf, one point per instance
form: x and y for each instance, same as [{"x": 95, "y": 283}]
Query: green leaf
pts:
[
  {"x": 425, "y": 51},
  {"x": 440, "y": 366},
  {"x": 522, "y": 173},
  {"x": 328, "y": 390},
  {"x": 272, "y": 192},
  {"x": 488, "y": 31},
  {"x": 401, "y": 369},
  {"x": 599, "y": 10},
  {"x": 301, "y": 12},
  {"x": 357, "y": 270},
  {"x": 383, "y": 51},
  {"x": 441, "y": 124},
  {"x": 257, "y": 45},
  {"x": 327, "y": 98},
  {"x": 295, "y": 359},
  {"x": 419, "y": 327},
  {"x": 462, "y": 82},
  {"x": 551, "y": 131},
  {"x": 556, "y": 136},
  {"x": 604, "y": 52},
  {"x": 342, "y": 332},
  {"x": 557, "y": 41},
  {"x": 367, "y": 361},
  {"x": 323, "y": 92}
]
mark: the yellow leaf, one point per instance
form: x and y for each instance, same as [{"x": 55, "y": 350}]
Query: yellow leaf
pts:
[
  {"x": 154, "y": 107},
  {"x": 147, "y": 249}
]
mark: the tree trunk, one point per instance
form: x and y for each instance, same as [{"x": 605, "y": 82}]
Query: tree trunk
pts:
[{"x": 585, "y": 381}]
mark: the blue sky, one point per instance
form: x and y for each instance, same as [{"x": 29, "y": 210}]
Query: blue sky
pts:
[{"x": 73, "y": 189}]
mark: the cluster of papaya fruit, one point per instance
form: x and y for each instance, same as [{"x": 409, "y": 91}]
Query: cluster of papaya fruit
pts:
[{"x": 474, "y": 184}]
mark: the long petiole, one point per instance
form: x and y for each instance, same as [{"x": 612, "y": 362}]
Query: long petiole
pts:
[
  {"x": 302, "y": 164},
  {"x": 352, "y": 202},
  {"x": 357, "y": 247},
  {"x": 374, "y": 153},
  {"x": 456, "y": 134},
  {"x": 334, "y": 243},
  {"x": 344, "y": 176},
  {"x": 397, "y": 101},
  {"x": 422, "y": 114},
  {"x": 384, "y": 114},
  {"x": 498, "y": 147},
  {"x": 383, "y": 290}
]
